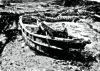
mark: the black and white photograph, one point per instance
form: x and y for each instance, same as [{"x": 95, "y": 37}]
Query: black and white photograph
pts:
[{"x": 49, "y": 35}]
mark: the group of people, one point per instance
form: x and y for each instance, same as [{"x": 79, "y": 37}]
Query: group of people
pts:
[{"x": 51, "y": 32}]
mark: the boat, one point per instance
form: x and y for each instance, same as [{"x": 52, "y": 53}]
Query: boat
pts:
[{"x": 43, "y": 42}]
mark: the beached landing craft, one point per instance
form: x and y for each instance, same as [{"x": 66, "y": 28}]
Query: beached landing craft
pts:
[{"x": 42, "y": 40}]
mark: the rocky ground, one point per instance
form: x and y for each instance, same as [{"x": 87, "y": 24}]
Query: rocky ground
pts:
[{"x": 19, "y": 57}]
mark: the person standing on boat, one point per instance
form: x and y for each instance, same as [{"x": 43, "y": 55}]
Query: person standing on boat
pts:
[
  {"x": 41, "y": 29},
  {"x": 44, "y": 29},
  {"x": 39, "y": 23}
]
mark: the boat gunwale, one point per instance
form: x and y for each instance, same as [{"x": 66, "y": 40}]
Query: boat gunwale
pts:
[{"x": 43, "y": 44}]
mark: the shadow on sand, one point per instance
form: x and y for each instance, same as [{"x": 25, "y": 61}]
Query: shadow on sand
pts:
[{"x": 75, "y": 56}]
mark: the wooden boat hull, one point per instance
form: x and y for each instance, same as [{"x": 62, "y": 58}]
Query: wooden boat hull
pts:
[
  {"x": 44, "y": 43},
  {"x": 52, "y": 52}
]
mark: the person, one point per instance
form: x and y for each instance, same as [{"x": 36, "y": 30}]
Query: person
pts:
[
  {"x": 64, "y": 31},
  {"x": 41, "y": 29},
  {"x": 47, "y": 29}
]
